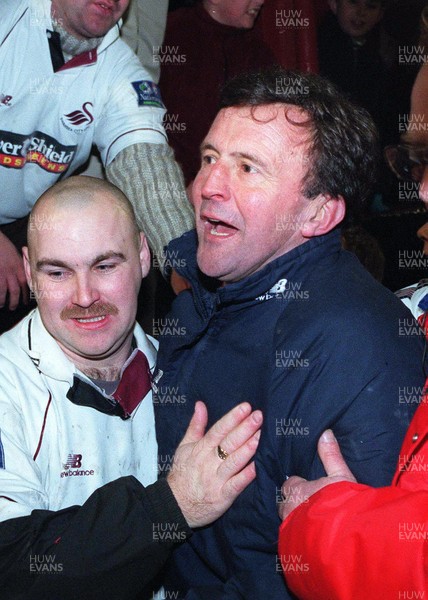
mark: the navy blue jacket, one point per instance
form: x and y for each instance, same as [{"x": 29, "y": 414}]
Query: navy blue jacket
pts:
[{"x": 315, "y": 342}]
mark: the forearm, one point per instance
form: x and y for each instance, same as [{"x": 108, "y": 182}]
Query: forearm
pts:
[
  {"x": 350, "y": 530},
  {"x": 115, "y": 543},
  {"x": 152, "y": 180}
]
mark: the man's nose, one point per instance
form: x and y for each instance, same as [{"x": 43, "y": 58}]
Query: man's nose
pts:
[
  {"x": 86, "y": 291},
  {"x": 216, "y": 182}
]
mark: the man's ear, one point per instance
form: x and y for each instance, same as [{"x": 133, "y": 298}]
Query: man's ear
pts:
[
  {"x": 27, "y": 267},
  {"x": 325, "y": 213},
  {"x": 144, "y": 255}
]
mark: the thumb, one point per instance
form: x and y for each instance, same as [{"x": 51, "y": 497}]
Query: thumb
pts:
[
  {"x": 198, "y": 423},
  {"x": 331, "y": 456}
]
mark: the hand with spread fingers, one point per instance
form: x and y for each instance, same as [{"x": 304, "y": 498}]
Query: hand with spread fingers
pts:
[
  {"x": 209, "y": 471},
  {"x": 297, "y": 490}
]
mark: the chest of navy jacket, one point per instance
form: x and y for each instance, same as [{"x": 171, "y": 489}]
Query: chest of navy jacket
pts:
[{"x": 315, "y": 342}]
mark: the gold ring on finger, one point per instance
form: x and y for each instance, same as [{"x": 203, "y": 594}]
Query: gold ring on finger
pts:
[{"x": 222, "y": 453}]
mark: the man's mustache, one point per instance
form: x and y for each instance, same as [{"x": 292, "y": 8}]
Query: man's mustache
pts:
[{"x": 98, "y": 309}]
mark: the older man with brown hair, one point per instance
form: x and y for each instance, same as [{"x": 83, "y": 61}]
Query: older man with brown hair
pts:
[{"x": 280, "y": 315}]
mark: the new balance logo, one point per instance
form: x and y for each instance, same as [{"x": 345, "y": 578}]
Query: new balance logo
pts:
[
  {"x": 74, "y": 461},
  {"x": 72, "y": 467},
  {"x": 5, "y": 100}
]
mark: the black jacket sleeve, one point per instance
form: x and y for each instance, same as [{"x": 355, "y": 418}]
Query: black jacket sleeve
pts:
[{"x": 111, "y": 547}]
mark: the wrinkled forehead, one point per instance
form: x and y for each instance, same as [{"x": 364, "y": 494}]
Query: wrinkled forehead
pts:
[
  {"x": 276, "y": 137},
  {"x": 289, "y": 122}
]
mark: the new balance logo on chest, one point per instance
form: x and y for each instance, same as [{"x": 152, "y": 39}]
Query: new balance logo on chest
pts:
[{"x": 72, "y": 467}]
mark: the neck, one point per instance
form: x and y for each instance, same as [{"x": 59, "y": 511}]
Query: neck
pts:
[
  {"x": 107, "y": 368},
  {"x": 70, "y": 44},
  {"x": 103, "y": 373}
]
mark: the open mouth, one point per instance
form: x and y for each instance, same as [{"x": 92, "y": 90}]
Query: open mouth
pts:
[
  {"x": 91, "y": 323},
  {"x": 106, "y": 7},
  {"x": 91, "y": 319},
  {"x": 218, "y": 228}
]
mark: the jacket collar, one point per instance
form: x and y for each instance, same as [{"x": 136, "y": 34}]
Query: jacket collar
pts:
[
  {"x": 256, "y": 287},
  {"x": 45, "y": 353}
]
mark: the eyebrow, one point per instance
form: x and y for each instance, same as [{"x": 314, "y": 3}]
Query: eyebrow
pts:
[
  {"x": 245, "y": 155},
  {"x": 49, "y": 262},
  {"x": 206, "y": 146}
]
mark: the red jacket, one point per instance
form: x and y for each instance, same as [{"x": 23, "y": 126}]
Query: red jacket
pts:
[{"x": 354, "y": 542}]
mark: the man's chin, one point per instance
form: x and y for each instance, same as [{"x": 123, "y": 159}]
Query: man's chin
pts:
[
  {"x": 214, "y": 271},
  {"x": 209, "y": 267},
  {"x": 82, "y": 353},
  {"x": 94, "y": 350}
]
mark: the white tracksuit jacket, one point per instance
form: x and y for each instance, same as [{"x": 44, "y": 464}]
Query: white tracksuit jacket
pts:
[
  {"x": 55, "y": 456},
  {"x": 81, "y": 513}
]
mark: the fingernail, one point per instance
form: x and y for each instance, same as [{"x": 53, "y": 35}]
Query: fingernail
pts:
[
  {"x": 328, "y": 436},
  {"x": 257, "y": 435},
  {"x": 257, "y": 416}
]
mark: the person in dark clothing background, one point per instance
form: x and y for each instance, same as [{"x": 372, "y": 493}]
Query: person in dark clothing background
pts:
[
  {"x": 349, "y": 53},
  {"x": 205, "y": 45}
]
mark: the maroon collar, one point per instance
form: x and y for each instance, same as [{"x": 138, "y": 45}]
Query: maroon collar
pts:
[
  {"x": 135, "y": 383},
  {"x": 81, "y": 60}
]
